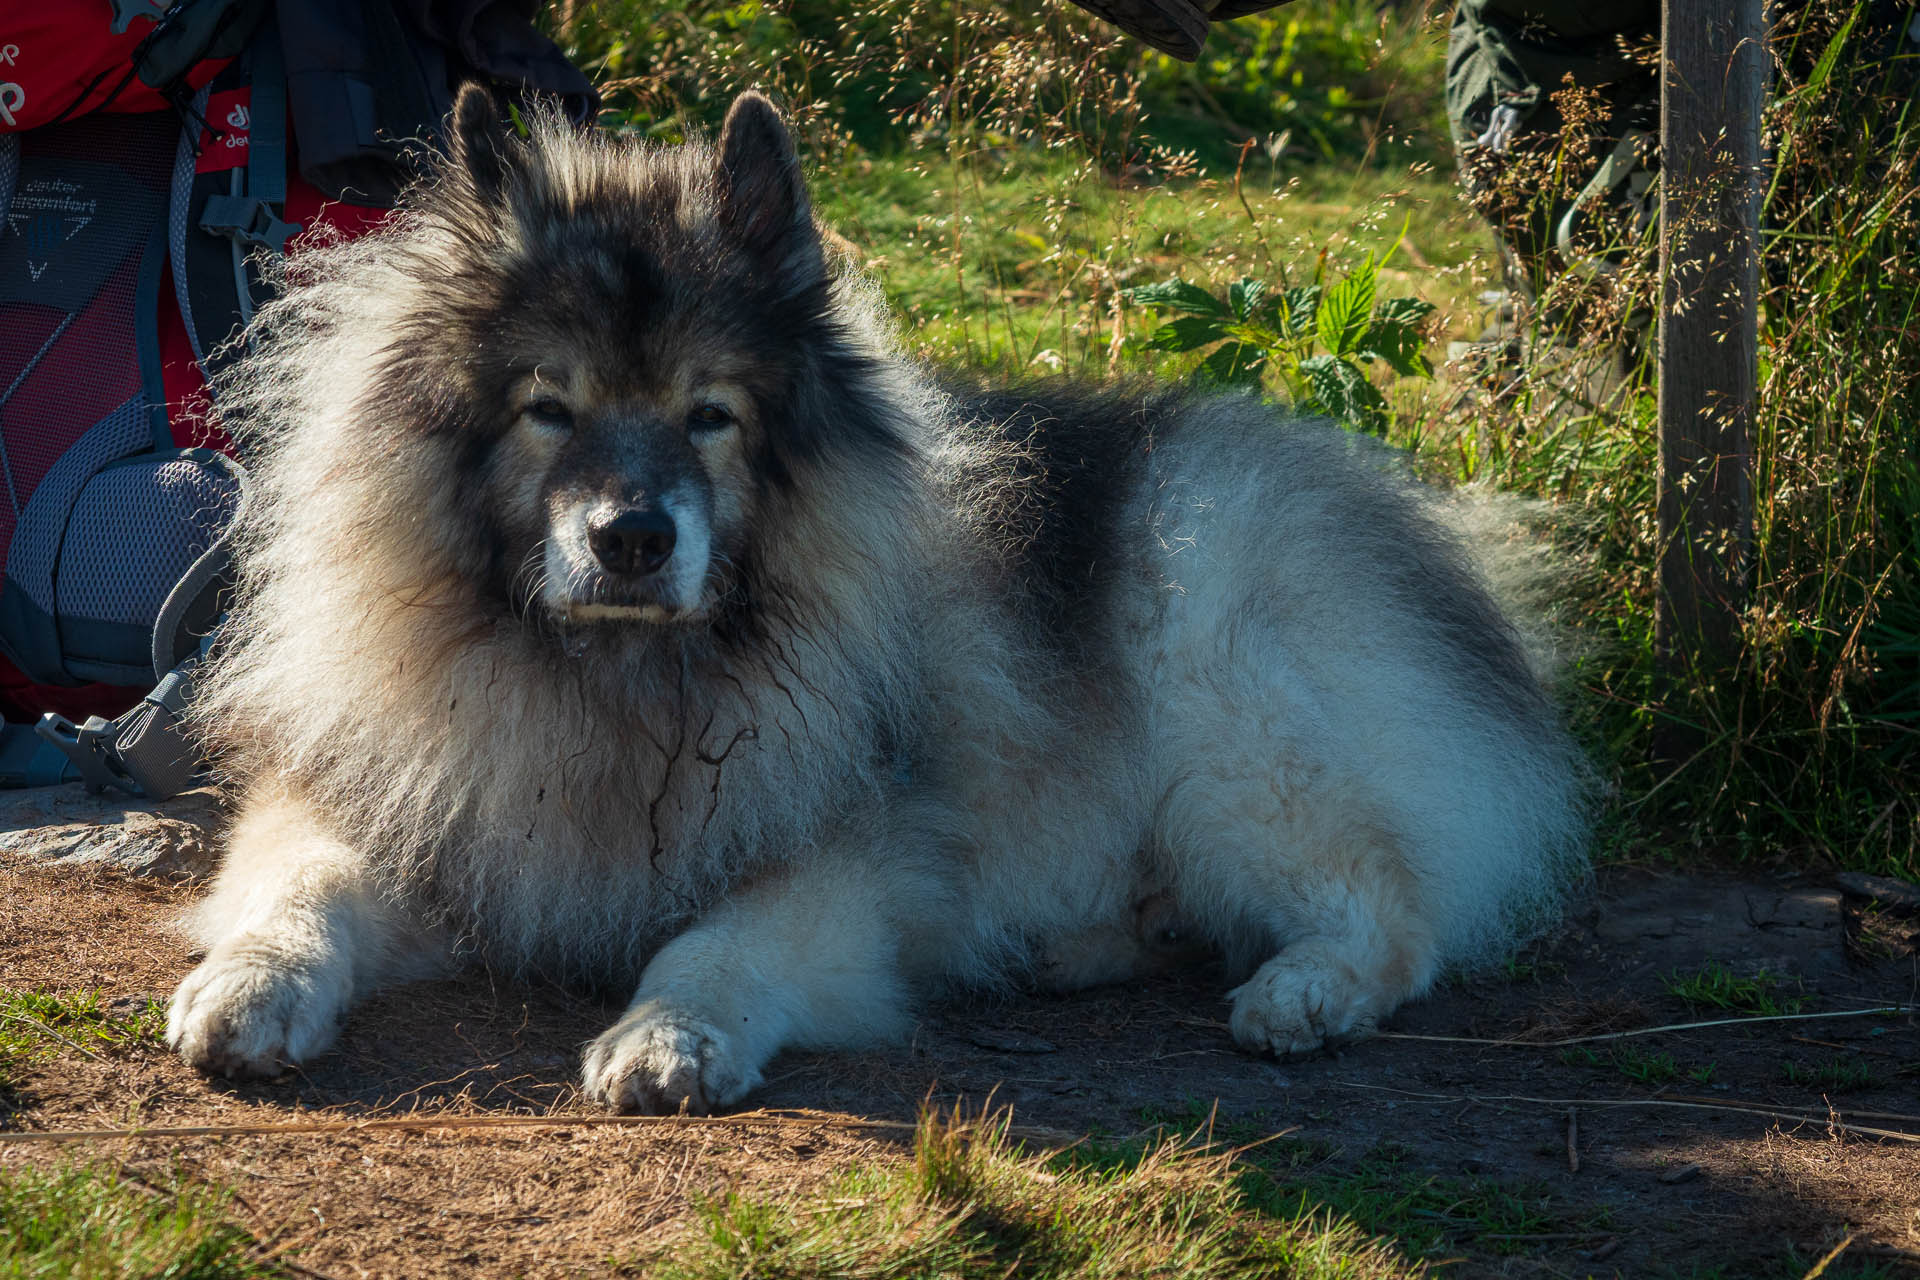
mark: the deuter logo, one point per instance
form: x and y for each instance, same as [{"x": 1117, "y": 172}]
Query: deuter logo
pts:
[{"x": 224, "y": 146}]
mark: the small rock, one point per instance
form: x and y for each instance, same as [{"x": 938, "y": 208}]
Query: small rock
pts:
[
  {"x": 66, "y": 826},
  {"x": 1685, "y": 1173},
  {"x": 1002, "y": 1040}
]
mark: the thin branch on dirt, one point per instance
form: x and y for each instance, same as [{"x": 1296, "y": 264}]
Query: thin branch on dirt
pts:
[
  {"x": 1546, "y": 1235},
  {"x": 407, "y": 1124},
  {"x": 1573, "y": 1140},
  {"x": 1846, "y": 1048},
  {"x": 44, "y": 1029},
  {"x": 1902, "y": 1116},
  {"x": 1654, "y": 1031},
  {"x": 1820, "y": 1267},
  {"x": 1835, "y": 1125}
]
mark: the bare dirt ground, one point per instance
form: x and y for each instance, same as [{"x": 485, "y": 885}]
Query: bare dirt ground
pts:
[{"x": 1695, "y": 1149}]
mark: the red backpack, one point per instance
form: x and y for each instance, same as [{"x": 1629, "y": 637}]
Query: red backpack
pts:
[{"x": 145, "y": 168}]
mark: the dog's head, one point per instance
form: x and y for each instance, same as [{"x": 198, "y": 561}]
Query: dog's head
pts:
[{"x": 632, "y": 349}]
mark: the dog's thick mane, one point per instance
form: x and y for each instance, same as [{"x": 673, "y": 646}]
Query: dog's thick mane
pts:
[{"x": 464, "y": 739}]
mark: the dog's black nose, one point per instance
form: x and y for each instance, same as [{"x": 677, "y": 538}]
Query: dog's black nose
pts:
[{"x": 631, "y": 541}]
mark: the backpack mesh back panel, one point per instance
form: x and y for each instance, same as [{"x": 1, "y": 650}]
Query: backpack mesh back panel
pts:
[{"x": 99, "y": 514}]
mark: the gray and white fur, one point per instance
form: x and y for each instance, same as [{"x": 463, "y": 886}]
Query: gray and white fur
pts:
[{"x": 618, "y": 605}]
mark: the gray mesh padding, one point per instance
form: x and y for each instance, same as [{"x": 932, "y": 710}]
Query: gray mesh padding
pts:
[
  {"x": 135, "y": 530},
  {"x": 31, "y": 560},
  {"x": 178, "y": 203}
]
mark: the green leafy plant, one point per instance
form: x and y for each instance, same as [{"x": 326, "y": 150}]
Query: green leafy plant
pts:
[
  {"x": 1313, "y": 340},
  {"x": 1836, "y": 1075},
  {"x": 1645, "y": 1066},
  {"x": 1716, "y": 986}
]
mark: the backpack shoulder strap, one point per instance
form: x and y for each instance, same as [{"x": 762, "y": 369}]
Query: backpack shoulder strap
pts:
[{"x": 228, "y": 213}]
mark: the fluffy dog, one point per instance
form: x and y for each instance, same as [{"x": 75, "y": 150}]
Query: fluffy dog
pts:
[{"x": 617, "y": 605}]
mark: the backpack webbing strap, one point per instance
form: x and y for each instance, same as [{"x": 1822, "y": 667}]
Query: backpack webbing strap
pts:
[{"x": 267, "y": 133}]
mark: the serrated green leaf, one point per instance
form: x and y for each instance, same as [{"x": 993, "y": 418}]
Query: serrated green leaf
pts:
[
  {"x": 1243, "y": 295},
  {"x": 1187, "y": 333},
  {"x": 1409, "y": 311},
  {"x": 1397, "y": 335},
  {"x": 1233, "y": 364},
  {"x": 1340, "y": 390},
  {"x": 1347, "y": 309},
  {"x": 1177, "y": 295},
  {"x": 1400, "y": 347},
  {"x": 1294, "y": 310}
]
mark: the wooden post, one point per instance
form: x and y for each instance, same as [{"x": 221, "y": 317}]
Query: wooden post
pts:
[{"x": 1712, "y": 91}]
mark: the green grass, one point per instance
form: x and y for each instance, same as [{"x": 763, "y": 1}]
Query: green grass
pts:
[
  {"x": 1835, "y": 1075},
  {"x": 1204, "y": 1197},
  {"x": 1715, "y": 986},
  {"x": 1015, "y": 261},
  {"x": 972, "y": 1205},
  {"x": 85, "y": 1223},
  {"x": 38, "y": 1025},
  {"x": 34, "y": 1024},
  {"x": 1642, "y": 1066}
]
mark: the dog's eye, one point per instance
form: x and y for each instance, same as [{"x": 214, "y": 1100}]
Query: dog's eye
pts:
[
  {"x": 709, "y": 417},
  {"x": 549, "y": 412}
]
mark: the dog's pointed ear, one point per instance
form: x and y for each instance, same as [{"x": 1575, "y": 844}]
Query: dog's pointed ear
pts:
[
  {"x": 481, "y": 143},
  {"x": 763, "y": 194}
]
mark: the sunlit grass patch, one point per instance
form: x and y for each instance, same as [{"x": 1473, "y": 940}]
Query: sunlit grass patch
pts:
[
  {"x": 38, "y": 1024},
  {"x": 81, "y": 1221},
  {"x": 973, "y": 1204}
]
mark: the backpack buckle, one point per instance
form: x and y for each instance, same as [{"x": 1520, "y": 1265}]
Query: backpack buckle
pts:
[
  {"x": 247, "y": 220},
  {"x": 90, "y": 747}
]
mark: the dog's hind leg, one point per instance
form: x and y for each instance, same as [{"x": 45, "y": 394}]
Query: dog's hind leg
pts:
[
  {"x": 813, "y": 957},
  {"x": 295, "y": 932},
  {"x": 1276, "y": 854}
]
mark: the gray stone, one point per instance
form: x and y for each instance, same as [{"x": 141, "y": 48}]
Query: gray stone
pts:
[{"x": 66, "y": 826}]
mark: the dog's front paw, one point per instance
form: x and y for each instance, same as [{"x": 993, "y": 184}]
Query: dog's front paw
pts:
[
  {"x": 658, "y": 1061},
  {"x": 251, "y": 1011},
  {"x": 1299, "y": 1001}
]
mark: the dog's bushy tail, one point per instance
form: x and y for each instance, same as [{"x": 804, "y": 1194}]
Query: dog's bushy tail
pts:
[{"x": 1524, "y": 553}]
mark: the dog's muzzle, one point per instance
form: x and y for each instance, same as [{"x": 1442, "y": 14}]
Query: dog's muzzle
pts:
[{"x": 636, "y": 561}]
